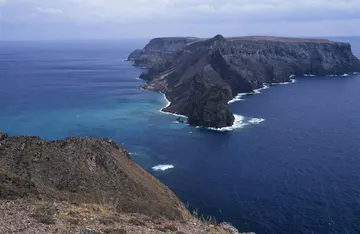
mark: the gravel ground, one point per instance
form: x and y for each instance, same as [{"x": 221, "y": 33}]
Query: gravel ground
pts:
[{"x": 36, "y": 217}]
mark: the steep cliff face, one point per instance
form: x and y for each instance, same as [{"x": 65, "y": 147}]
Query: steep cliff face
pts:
[
  {"x": 158, "y": 53},
  {"x": 201, "y": 76}
]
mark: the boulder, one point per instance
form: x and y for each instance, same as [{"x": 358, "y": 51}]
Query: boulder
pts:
[{"x": 3, "y": 136}]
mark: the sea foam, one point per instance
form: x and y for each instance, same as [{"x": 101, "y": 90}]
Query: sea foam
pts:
[
  {"x": 239, "y": 122},
  {"x": 288, "y": 82},
  {"x": 163, "y": 167},
  {"x": 256, "y": 120},
  {"x": 239, "y": 96},
  {"x": 345, "y": 74},
  {"x": 257, "y": 91},
  {"x": 168, "y": 103}
]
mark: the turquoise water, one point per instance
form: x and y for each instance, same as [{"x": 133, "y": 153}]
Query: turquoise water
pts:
[
  {"x": 295, "y": 172},
  {"x": 57, "y": 90}
]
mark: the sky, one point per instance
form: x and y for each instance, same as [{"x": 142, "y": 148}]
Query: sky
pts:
[{"x": 124, "y": 19}]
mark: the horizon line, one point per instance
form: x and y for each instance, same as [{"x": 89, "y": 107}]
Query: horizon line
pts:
[{"x": 147, "y": 38}]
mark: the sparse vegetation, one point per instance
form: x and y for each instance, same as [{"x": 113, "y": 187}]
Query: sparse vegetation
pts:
[
  {"x": 85, "y": 186},
  {"x": 83, "y": 170},
  {"x": 73, "y": 221},
  {"x": 45, "y": 214},
  {"x": 167, "y": 228},
  {"x": 137, "y": 222},
  {"x": 108, "y": 220},
  {"x": 115, "y": 231},
  {"x": 171, "y": 228},
  {"x": 208, "y": 219},
  {"x": 161, "y": 229}
]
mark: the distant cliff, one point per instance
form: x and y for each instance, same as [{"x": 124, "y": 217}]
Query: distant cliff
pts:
[
  {"x": 85, "y": 186},
  {"x": 200, "y": 76},
  {"x": 159, "y": 51}
]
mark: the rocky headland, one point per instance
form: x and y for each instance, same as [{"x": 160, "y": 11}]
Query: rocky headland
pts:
[
  {"x": 200, "y": 76},
  {"x": 86, "y": 186}
]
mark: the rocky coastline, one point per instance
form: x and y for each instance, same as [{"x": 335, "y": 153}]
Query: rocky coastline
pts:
[{"x": 201, "y": 76}]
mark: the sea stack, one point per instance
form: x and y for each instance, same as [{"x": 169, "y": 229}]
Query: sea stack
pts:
[{"x": 200, "y": 76}]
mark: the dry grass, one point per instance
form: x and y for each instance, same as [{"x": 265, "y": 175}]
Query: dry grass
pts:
[
  {"x": 45, "y": 214},
  {"x": 83, "y": 170},
  {"x": 115, "y": 231},
  {"x": 88, "y": 186},
  {"x": 137, "y": 222},
  {"x": 64, "y": 217}
]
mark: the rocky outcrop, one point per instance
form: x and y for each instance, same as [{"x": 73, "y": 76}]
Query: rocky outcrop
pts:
[
  {"x": 3, "y": 136},
  {"x": 134, "y": 55},
  {"x": 199, "y": 77},
  {"x": 158, "y": 53}
]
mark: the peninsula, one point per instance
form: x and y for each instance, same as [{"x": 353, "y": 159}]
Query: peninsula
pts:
[{"x": 200, "y": 76}]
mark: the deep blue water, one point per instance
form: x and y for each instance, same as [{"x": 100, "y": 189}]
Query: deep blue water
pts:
[{"x": 296, "y": 172}]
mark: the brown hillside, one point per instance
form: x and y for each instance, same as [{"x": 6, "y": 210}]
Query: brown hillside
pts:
[
  {"x": 86, "y": 186},
  {"x": 82, "y": 170}
]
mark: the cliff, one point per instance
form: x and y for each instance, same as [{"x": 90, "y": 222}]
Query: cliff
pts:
[
  {"x": 159, "y": 52},
  {"x": 200, "y": 76},
  {"x": 81, "y": 184}
]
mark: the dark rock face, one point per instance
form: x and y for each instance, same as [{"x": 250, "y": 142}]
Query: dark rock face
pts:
[
  {"x": 157, "y": 54},
  {"x": 82, "y": 170},
  {"x": 199, "y": 77},
  {"x": 3, "y": 136},
  {"x": 135, "y": 54},
  {"x": 207, "y": 94}
]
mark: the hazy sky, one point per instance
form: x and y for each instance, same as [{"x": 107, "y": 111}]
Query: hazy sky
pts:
[{"x": 101, "y": 19}]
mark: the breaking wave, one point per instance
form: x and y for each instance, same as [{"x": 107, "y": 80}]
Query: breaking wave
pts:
[
  {"x": 168, "y": 103},
  {"x": 289, "y": 82},
  {"x": 239, "y": 122},
  {"x": 256, "y": 120},
  {"x": 239, "y": 96},
  {"x": 345, "y": 74},
  {"x": 257, "y": 91},
  {"x": 163, "y": 167}
]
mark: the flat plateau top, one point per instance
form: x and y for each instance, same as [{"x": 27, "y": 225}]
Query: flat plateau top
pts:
[{"x": 282, "y": 39}]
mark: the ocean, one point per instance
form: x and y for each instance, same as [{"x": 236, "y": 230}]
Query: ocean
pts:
[{"x": 290, "y": 165}]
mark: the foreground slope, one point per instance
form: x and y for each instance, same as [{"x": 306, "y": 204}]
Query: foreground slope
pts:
[
  {"x": 200, "y": 76},
  {"x": 72, "y": 185}
]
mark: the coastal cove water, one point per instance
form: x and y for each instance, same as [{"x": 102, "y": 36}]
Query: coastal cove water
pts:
[{"x": 291, "y": 166}]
